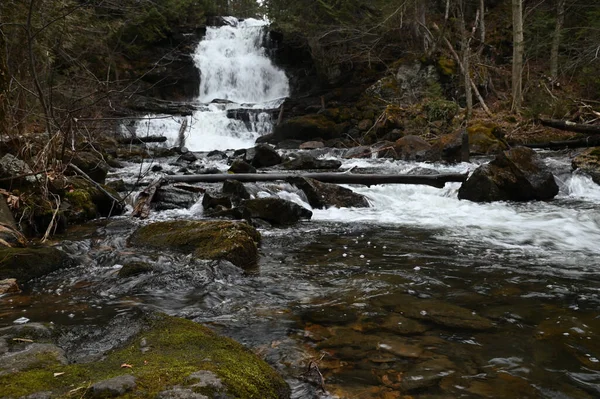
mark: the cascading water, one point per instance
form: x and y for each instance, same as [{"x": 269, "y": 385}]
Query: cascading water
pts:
[{"x": 236, "y": 71}]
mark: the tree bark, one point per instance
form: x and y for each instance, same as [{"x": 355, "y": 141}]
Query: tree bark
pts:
[
  {"x": 482, "y": 22},
  {"x": 571, "y": 126},
  {"x": 338, "y": 178},
  {"x": 518, "y": 50},
  {"x": 560, "y": 19},
  {"x": 141, "y": 209},
  {"x": 466, "y": 54}
]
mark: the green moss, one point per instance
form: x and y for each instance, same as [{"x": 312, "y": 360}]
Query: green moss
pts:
[
  {"x": 25, "y": 264},
  {"x": 446, "y": 66},
  {"x": 233, "y": 241},
  {"x": 177, "y": 348},
  {"x": 82, "y": 206},
  {"x": 440, "y": 110},
  {"x": 484, "y": 138}
]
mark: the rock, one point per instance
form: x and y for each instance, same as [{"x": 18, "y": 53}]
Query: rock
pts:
[
  {"x": 233, "y": 241},
  {"x": 409, "y": 84},
  {"x": 240, "y": 166},
  {"x": 365, "y": 124},
  {"x": 9, "y": 286},
  {"x": 210, "y": 202},
  {"x": 180, "y": 393},
  {"x": 402, "y": 325},
  {"x": 412, "y": 148},
  {"x": 31, "y": 355},
  {"x": 11, "y": 237},
  {"x": 274, "y": 210},
  {"x": 363, "y": 151},
  {"x": 25, "y": 264},
  {"x": 514, "y": 175},
  {"x": 400, "y": 349},
  {"x": 187, "y": 157},
  {"x": 262, "y": 156},
  {"x": 13, "y": 167},
  {"x": 6, "y": 215},
  {"x": 171, "y": 197},
  {"x": 307, "y": 128},
  {"x": 305, "y": 162},
  {"x": 324, "y": 195},
  {"x": 216, "y": 155},
  {"x": 588, "y": 162},
  {"x": 288, "y": 144},
  {"x": 114, "y": 387},
  {"x": 105, "y": 206},
  {"x": 235, "y": 190},
  {"x": 92, "y": 165},
  {"x": 223, "y": 368},
  {"x": 134, "y": 269},
  {"x": 311, "y": 145}
]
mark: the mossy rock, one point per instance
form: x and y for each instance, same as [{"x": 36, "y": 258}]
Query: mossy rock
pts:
[
  {"x": 446, "y": 66},
  {"x": 589, "y": 163},
  {"x": 232, "y": 241},
  {"x": 104, "y": 204},
  {"x": 176, "y": 353},
  {"x": 441, "y": 110},
  {"x": 82, "y": 207},
  {"x": 486, "y": 138},
  {"x": 91, "y": 164},
  {"x": 25, "y": 264},
  {"x": 307, "y": 127}
]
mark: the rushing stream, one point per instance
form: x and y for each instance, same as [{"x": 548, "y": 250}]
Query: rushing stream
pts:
[{"x": 421, "y": 293}]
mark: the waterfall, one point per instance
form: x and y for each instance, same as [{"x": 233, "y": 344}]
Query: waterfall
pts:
[{"x": 235, "y": 70}]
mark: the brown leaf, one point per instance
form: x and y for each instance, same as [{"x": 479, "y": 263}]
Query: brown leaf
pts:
[{"x": 126, "y": 366}]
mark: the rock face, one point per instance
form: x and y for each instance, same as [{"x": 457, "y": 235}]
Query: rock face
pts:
[
  {"x": 324, "y": 195},
  {"x": 589, "y": 163},
  {"x": 306, "y": 162},
  {"x": 274, "y": 210},
  {"x": 235, "y": 242},
  {"x": 169, "y": 358},
  {"x": 409, "y": 83},
  {"x": 514, "y": 175},
  {"x": 308, "y": 127},
  {"x": 25, "y": 264}
]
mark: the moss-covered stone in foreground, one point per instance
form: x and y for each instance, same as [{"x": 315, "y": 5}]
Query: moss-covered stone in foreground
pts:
[
  {"x": 28, "y": 263},
  {"x": 233, "y": 241},
  {"x": 174, "y": 349}
]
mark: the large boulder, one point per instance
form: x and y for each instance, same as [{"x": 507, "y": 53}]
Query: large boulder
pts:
[
  {"x": 262, "y": 156},
  {"x": 306, "y": 128},
  {"x": 276, "y": 211},
  {"x": 91, "y": 164},
  {"x": 171, "y": 197},
  {"x": 25, "y": 264},
  {"x": 588, "y": 162},
  {"x": 412, "y": 148},
  {"x": 324, "y": 195},
  {"x": 306, "y": 162},
  {"x": 514, "y": 175},
  {"x": 15, "y": 173},
  {"x": 166, "y": 357},
  {"x": 232, "y": 241}
]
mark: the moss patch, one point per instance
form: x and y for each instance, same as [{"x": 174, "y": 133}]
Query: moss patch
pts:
[
  {"x": 28, "y": 263},
  {"x": 233, "y": 241},
  {"x": 82, "y": 207},
  {"x": 176, "y": 349}
]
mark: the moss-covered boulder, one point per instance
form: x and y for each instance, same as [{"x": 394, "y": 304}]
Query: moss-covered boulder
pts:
[
  {"x": 307, "y": 127},
  {"x": 25, "y": 264},
  {"x": 515, "y": 175},
  {"x": 232, "y": 241},
  {"x": 412, "y": 148},
  {"x": 82, "y": 191},
  {"x": 588, "y": 162},
  {"x": 486, "y": 138},
  {"x": 168, "y": 356}
]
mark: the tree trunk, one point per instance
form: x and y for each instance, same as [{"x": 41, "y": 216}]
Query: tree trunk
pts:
[
  {"x": 560, "y": 19},
  {"x": 339, "y": 178},
  {"x": 482, "y": 21},
  {"x": 466, "y": 54},
  {"x": 3, "y": 89},
  {"x": 518, "y": 50},
  {"x": 592, "y": 141},
  {"x": 571, "y": 126}
]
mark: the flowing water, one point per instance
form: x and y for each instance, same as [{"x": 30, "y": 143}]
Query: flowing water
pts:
[{"x": 420, "y": 294}]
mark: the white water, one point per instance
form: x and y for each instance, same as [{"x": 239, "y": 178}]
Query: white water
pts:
[{"x": 233, "y": 66}]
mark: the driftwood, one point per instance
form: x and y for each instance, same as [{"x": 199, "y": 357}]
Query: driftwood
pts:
[
  {"x": 141, "y": 208},
  {"x": 142, "y": 140},
  {"x": 593, "y": 141},
  {"x": 571, "y": 126},
  {"x": 339, "y": 178}
]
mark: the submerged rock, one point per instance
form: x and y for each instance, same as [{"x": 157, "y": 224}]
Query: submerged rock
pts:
[
  {"x": 324, "y": 195},
  {"x": 25, "y": 264},
  {"x": 514, "y": 175},
  {"x": 232, "y": 241},
  {"x": 274, "y": 210},
  {"x": 180, "y": 357},
  {"x": 588, "y": 162}
]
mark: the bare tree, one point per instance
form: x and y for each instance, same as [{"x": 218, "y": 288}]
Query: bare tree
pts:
[
  {"x": 518, "y": 50},
  {"x": 560, "y": 20}
]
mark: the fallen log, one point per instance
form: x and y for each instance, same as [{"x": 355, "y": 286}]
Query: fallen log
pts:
[
  {"x": 142, "y": 140},
  {"x": 593, "y": 141},
  {"x": 338, "y": 178},
  {"x": 141, "y": 209},
  {"x": 571, "y": 126}
]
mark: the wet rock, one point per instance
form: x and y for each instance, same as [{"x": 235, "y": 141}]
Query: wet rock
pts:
[
  {"x": 311, "y": 145},
  {"x": 235, "y": 190},
  {"x": 105, "y": 206},
  {"x": 240, "y": 166},
  {"x": 324, "y": 195},
  {"x": 9, "y": 286},
  {"x": 588, "y": 162},
  {"x": 210, "y": 202},
  {"x": 13, "y": 167},
  {"x": 363, "y": 151},
  {"x": 400, "y": 349},
  {"x": 419, "y": 379},
  {"x": 514, "y": 175},
  {"x": 262, "y": 156},
  {"x": 33, "y": 354},
  {"x": 92, "y": 165},
  {"x": 401, "y": 325},
  {"x": 235, "y": 242},
  {"x": 216, "y": 155},
  {"x": 306, "y": 128},
  {"x": 171, "y": 197},
  {"x": 412, "y": 148},
  {"x": 114, "y": 387},
  {"x": 276, "y": 211},
  {"x": 187, "y": 157},
  {"x": 25, "y": 264},
  {"x": 306, "y": 161},
  {"x": 288, "y": 144},
  {"x": 134, "y": 269}
]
